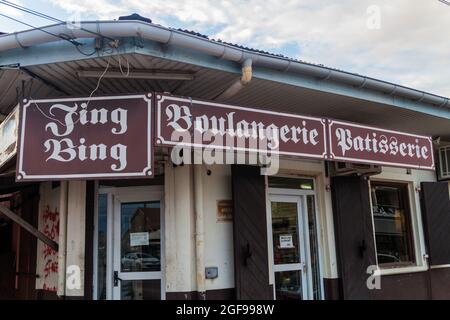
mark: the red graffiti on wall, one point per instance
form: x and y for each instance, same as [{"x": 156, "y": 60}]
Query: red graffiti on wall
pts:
[{"x": 51, "y": 230}]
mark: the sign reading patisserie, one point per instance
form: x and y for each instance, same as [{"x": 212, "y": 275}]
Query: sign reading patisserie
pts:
[
  {"x": 187, "y": 122},
  {"x": 85, "y": 138},
  {"x": 357, "y": 143}
]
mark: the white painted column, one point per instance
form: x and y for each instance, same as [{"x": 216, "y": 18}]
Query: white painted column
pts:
[
  {"x": 75, "y": 241},
  {"x": 179, "y": 229}
]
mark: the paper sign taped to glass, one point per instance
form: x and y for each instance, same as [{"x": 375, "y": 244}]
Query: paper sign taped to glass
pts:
[
  {"x": 139, "y": 239},
  {"x": 286, "y": 241}
]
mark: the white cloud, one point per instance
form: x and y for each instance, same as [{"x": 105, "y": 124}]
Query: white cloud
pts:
[{"x": 411, "y": 47}]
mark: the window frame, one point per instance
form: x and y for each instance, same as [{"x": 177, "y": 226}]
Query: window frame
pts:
[
  {"x": 404, "y": 201},
  {"x": 415, "y": 223},
  {"x": 318, "y": 192}
]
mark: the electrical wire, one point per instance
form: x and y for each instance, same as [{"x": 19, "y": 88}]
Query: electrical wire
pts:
[
  {"x": 72, "y": 41},
  {"x": 61, "y": 35},
  {"x": 19, "y": 7},
  {"x": 125, "y": 74},
  {"x": 45, "y": 16},
  {"x": 88, "y": 100}
]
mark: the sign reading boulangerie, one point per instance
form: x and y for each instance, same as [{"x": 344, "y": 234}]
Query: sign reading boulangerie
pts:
[
  {"x": 85, "y": 138},
  {"x": 357, "y": 143},
  {"x": 187, "y": 122}
]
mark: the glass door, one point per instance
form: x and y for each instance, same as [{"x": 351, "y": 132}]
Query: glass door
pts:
[
  {"x": 290, "y": 242},
  {"x": 138, "y": 245}
]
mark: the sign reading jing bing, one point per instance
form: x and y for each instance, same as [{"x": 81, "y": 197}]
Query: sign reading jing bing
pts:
[{"x": 85, "y": 138}]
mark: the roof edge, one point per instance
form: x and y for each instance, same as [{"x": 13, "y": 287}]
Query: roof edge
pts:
[{"x": 168, "y": 36}]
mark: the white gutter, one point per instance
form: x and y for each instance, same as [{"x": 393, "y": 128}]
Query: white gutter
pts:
[
  {"x": 123, "y": 28},
  {"x": 246, "y": 77}
]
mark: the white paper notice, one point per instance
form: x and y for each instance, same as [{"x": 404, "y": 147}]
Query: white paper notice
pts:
[
  {"x": 286, "y": 241},
  {"x": 139, "y": 239}
]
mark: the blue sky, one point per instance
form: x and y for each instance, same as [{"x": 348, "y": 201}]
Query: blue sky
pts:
[{"x": 402, "y": 41}]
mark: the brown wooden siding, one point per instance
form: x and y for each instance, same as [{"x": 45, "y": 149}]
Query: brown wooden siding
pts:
[{"x": 250, "y": 234}]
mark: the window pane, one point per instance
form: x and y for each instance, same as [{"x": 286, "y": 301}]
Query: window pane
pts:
[
  {"x": 140, "y": 290},
  {"x": 392, "y": 223},
  {"x": 285, "y": 233},
  {"x": 101, "y": 247},
  {"x": 291, "y": 183},
  {"x": 288, "y": 285},
  {"x": 140, "y": 237}
]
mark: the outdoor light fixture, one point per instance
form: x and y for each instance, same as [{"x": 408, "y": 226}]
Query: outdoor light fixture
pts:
[{"x": 135, "y": 74}]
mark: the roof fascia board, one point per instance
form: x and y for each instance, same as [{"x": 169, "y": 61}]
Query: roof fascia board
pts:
[
  {"x": 62, "y": 51},
  {"x": 199, "y": 59},
  {"x": 350, "y": 91}
]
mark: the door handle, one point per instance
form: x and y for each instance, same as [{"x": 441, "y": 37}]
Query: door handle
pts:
[
  {"x": 304, "y": 267},
  {"x": 116, "y": 278}
]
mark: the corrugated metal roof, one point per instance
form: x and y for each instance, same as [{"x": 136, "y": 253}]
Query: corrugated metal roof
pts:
[{"x": 272, "y": 54}]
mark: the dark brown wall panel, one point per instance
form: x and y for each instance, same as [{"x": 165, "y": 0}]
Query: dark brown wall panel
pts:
[
  {"x": 28, "y": 246},
  {"x": 331, "y": 289},
  {"x": 354, "y": 235},
  {"x": 436, "y": 213},
  {"x": 250, "y": 234},
  {"x": 411, "y": 286},
  {"x": 440, "y": 283}
]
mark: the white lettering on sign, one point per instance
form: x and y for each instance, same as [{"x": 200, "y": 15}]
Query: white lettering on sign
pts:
[
  {"x": 180, "y": 119},
  {"x": 380, "y": 145},
  {"x": 67, "y": 150}
]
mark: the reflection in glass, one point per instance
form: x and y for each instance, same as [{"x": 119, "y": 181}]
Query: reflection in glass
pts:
[
  {"x": 392, "y": 228},
  {"x": 285, "y": 233},
  {"x": 288, "y": 285},
  {"x": 291, "y": 183},
  {"x": 101, "y": 246},
  {"x": 140, "y": 237},
  {"x": 140, "y": 290}
]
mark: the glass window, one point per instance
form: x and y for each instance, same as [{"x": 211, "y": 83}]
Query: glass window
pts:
[
  {"x": 140, "y": 290},
  {"x": 288, "y": 285},
  {"x": 291, "y": 183},
  {"x": 285, "y": 233},
  {"x": 392, "y": 222},
  {"x": 141, "y": 237}
]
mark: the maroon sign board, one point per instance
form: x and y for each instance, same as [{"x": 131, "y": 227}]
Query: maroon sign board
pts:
[
  {"x": 112, "y": 137},
  {"x": 297, "y": 135},
  {"x": 349, "y": 142},
  {"x": 85, "y": 138},
  {"x": 194, "y": 123}
]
